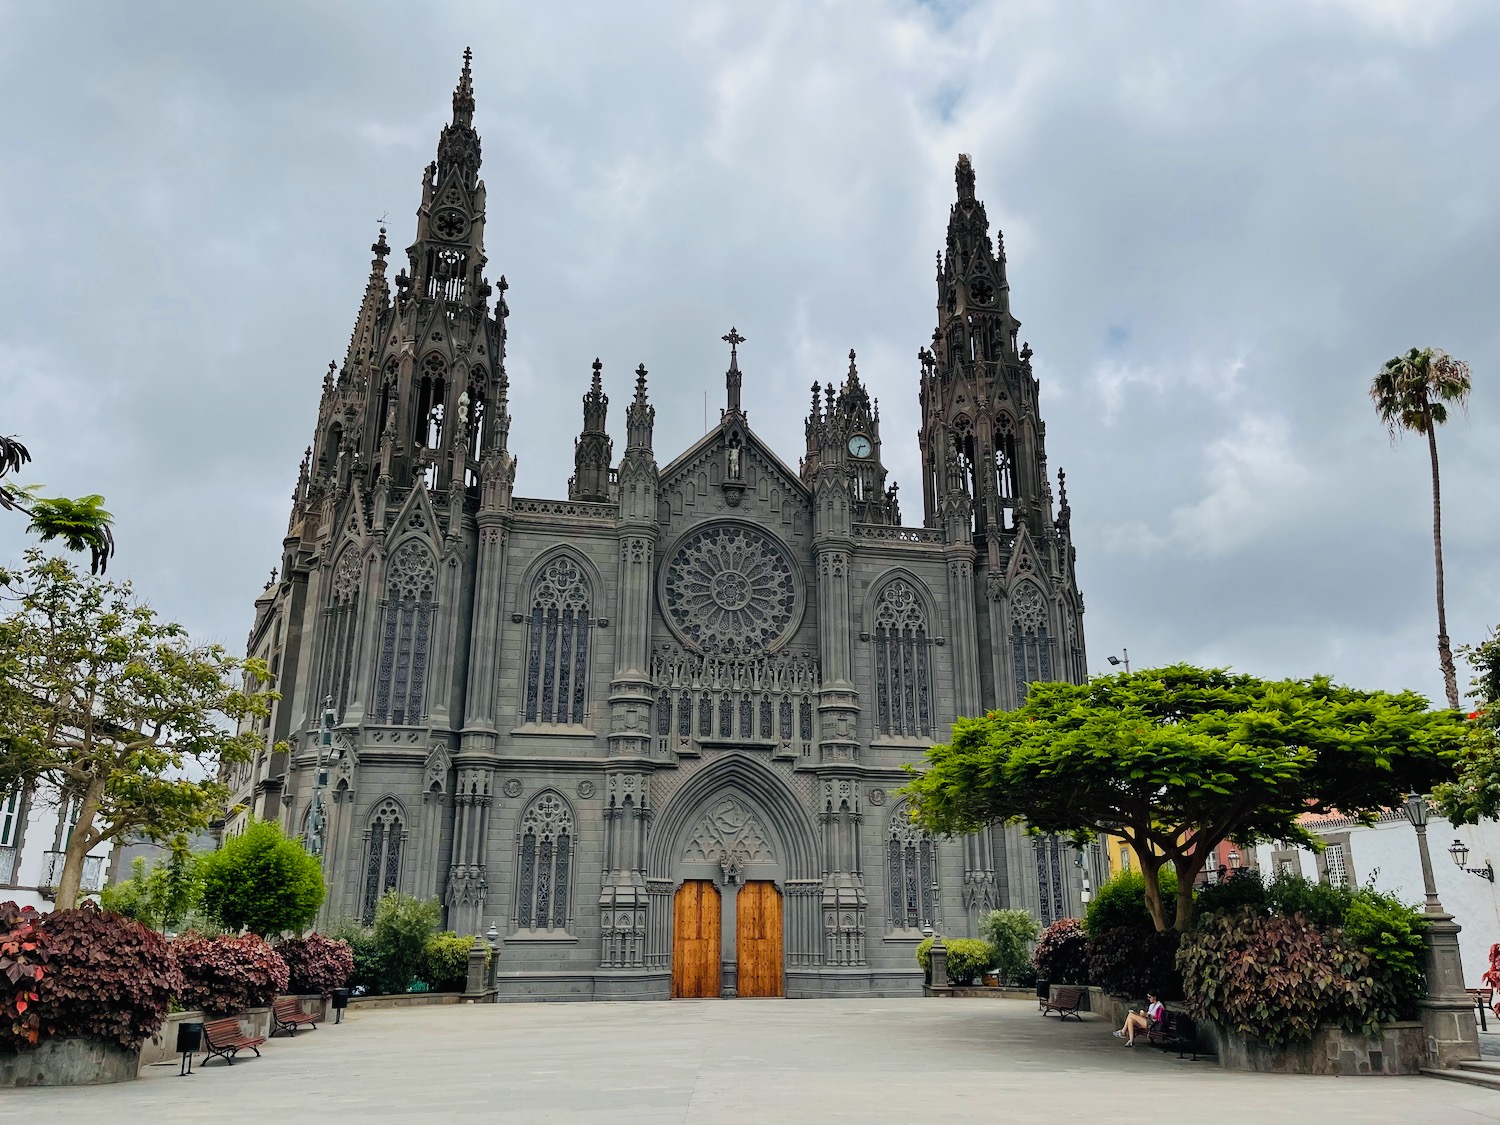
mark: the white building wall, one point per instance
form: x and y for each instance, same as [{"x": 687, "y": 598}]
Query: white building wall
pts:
[
  {"x": 34, "y": 833},
  {"x": 1388, "y": 852}
]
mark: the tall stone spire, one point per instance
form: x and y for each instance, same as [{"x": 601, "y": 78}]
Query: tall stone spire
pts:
[
  {"x": 592, "y": 450},
  {"x": 640, "y": 415}
]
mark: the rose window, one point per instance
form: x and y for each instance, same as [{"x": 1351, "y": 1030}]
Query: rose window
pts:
[{"x": 731, "y": 590}]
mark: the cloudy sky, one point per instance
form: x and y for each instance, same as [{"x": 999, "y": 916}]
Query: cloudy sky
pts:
[{"x": 1220, "y": 219}]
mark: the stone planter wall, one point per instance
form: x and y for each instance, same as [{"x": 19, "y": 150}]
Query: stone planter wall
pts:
[
  {"x": 1399, "y": 1048},
  {"x": 162, "y": 1046},
  {"x": 403, "y": 1000},
  {"x": 68, "y": 1062}
]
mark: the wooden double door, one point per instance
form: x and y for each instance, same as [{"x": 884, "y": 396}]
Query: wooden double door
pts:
[{"x": 697, "y": 939}]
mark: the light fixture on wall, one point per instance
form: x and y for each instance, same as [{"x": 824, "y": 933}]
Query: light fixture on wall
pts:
[{"x": 1459, "y": 851}]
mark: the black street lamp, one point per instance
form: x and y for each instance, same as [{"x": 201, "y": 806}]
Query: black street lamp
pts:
[
  {"x": 1123, "y": 658},
  {"x": 1459, "y": 851}
]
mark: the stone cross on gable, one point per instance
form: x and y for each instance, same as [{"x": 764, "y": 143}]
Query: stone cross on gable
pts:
[{"x": 732, "y": 376}]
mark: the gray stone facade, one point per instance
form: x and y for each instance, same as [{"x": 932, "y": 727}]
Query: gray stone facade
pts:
[{"x": 551, "y": 713}]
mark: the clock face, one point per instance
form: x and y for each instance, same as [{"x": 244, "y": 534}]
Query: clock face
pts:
[{"x": 859, "y": 445}]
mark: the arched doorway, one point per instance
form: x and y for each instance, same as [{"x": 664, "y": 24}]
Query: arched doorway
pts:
[{"x": 735, "y": 840}]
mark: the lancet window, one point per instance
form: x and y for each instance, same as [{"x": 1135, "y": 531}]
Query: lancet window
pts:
[
  {"x": 341, "y": 627},
  {"x": 545, "y": 864},
  {"x": 903, "y": 704},
  {"x": 911, "y": 871},
  {"x": 383, "y": 857},
  {"x": 406, "y": 639},
  {"x": 1031, "y": 645},
  {"x": 557, "y": 660}
]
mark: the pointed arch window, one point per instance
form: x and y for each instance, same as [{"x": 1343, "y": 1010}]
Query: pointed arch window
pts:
[
  {"x": 411, "y": 579},
  {"x": 1049, "y": 879},
  {"x": 1031, "y": 645},
  {"x": 341, "y": 627},
  {"x": 383, "y": 856},
  {"x": 903, "y": 705},
  {"x": 432, "y": 397},
  {"x": 544, "y": 865},
  {"x": 557, "y": 663},
  {"x": 911, "y": 873}
]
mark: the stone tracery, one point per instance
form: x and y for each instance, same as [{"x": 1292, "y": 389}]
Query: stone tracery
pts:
[{"x": 731, "y": 590}]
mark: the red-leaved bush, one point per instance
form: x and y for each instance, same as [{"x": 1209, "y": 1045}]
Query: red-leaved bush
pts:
[
  {"x": 1277, "y": 978},
  {"x": 22, "y": 964},
  {"x": 316, "y": 963},
  {"x": 225, "y": 975},
  {"x": 1061, "y": 954},
  {"x": 107, "y": 977}
]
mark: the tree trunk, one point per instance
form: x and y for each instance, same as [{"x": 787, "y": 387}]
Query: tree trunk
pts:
[
  {"x": 79, "y": 843},
  {"x": 1445, "y": 651},
  {"x": 1153, "y": 893}
]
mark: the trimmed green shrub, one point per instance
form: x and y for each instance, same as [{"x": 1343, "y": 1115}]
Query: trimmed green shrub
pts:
[
  {"x": 1323, "y": 906},
  {"x": 366, "y": 970},
  {"x": 1121, "y": 902},
  {"x": 403, "y": 926},
  {"x": 1012, "y": 933},
  {"x": 1242, "y": 888},
  {"x": 316, "y": 964},
  {"x": 162, "y": 896},
  {"x": 1276, "y": 978},
  {"x": 1061, "y": 954},
  {"x": 445, "y": 961},
  {"x": 225, "y": 975},
  {"x": 108, "y": 978},
  {"x": 1131, "y": 961},
  {"x": 1393, "y": 936},
  {"x": 262, "y": 882},
  {"x": 968, "y": 958}
]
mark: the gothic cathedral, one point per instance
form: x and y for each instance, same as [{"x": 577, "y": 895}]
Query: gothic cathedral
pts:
[{"x": 654, "y": 733}]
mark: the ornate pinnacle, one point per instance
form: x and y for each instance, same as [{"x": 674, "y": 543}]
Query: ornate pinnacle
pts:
[
  {"x": 640, "y": 384},
  {"x": 463, "y": 96}
]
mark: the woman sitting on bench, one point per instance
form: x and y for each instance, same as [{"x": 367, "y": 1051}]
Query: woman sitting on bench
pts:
[{"x": 1136, "y": 1022}]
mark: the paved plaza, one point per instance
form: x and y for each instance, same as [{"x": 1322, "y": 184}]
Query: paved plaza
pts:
[{"x": 701, "y": 1061}]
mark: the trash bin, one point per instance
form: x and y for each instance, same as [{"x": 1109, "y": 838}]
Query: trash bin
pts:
[
  {"x": 189, "y": 1040},
  {"x": 339, "y": 998}
]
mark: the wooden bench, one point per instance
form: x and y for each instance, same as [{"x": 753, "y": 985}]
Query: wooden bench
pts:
[
  {"x": 1065, "y": 1002},
  {"x": 1175, "y": 1030},
  {"x": 225, "y": 1039},
  {"x": 287, "y": 1015}
]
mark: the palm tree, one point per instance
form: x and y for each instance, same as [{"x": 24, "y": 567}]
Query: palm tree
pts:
[
  {"x": 1412, "y": 392},
  {"x": 82, "y": 524}
]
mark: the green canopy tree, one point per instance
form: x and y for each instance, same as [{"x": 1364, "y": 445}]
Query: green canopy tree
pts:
[
  {"x": 117, "y": 709},
  {"x": 261, "y": 881},
  {"x": 81, "y": 525},
  {"x": 1176, "y": 760},
  {"x": 1476, "y": 792},
  {"x": 1413, "y": 392}
]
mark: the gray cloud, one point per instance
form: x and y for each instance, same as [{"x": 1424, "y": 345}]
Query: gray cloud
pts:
[{"x": 1220, "y": 219}]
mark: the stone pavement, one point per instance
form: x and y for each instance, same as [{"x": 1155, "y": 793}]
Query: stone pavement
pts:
[{"x": 925, "y": 1062}]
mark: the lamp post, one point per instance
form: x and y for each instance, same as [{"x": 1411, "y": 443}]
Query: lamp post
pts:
[
  {"x": 1123, "y": 658},
  {"x": 492, "y": 936},
  {"x": 1459, "y": 851},
  {"x": 1447, "y": 1010},
  {"x": 318, "y": 820}
]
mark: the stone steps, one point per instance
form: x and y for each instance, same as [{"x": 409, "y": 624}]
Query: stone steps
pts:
[{"x": 1475, "y": 1073}]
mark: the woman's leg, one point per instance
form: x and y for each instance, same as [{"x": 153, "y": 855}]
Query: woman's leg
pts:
[{"x": 1135, "y": 1022}]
